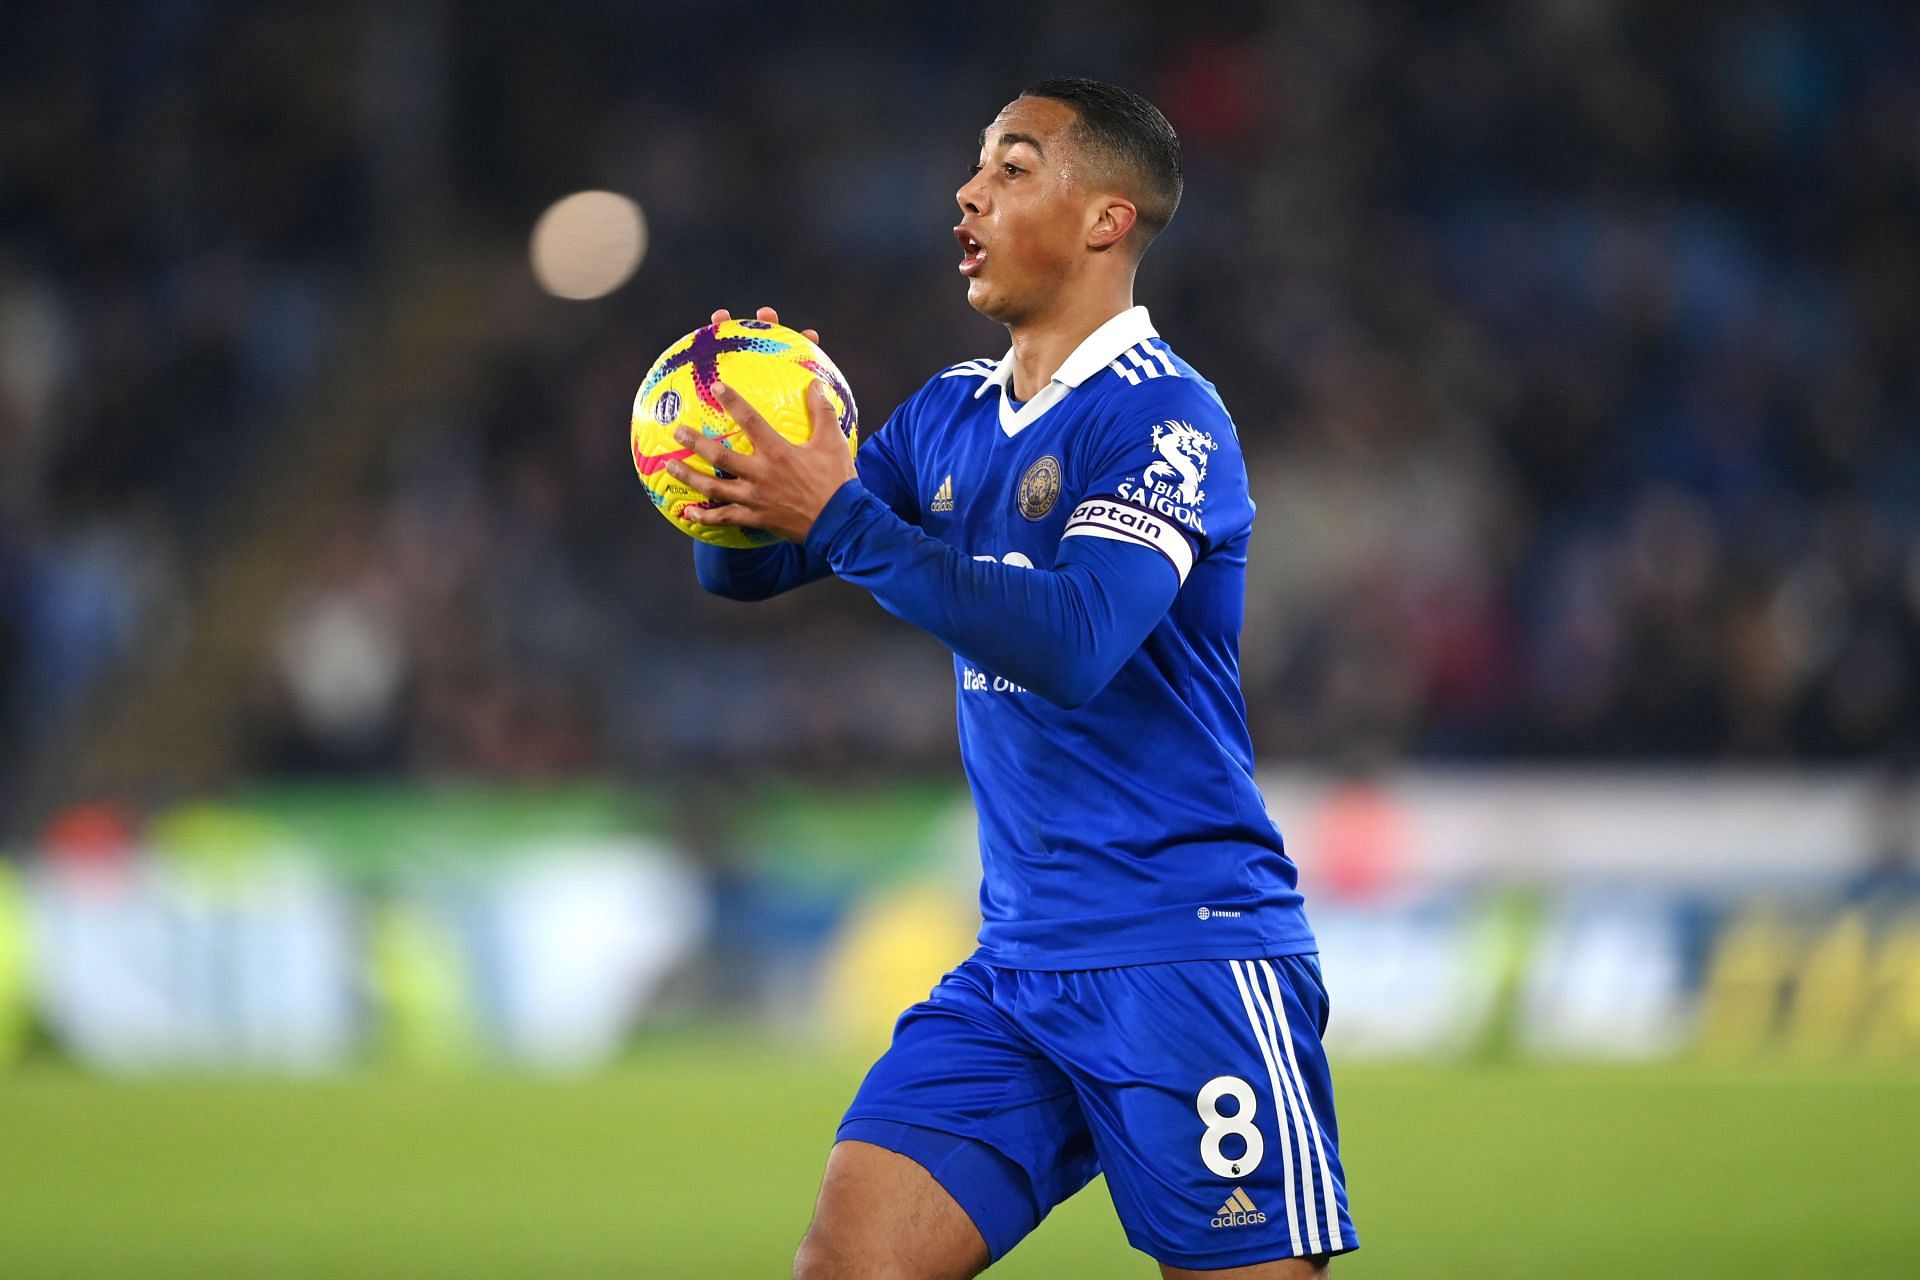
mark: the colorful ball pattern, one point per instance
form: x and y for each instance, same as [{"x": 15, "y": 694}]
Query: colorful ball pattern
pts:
[{"x": 770, "y": 365}]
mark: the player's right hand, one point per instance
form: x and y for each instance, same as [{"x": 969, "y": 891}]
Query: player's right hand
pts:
[
  {"x": 780, "y": 486},
  {"x": 770, "y": 316}
]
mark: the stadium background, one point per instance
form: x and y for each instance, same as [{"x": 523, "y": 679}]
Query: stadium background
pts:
[{"x": 407, "y": 871}]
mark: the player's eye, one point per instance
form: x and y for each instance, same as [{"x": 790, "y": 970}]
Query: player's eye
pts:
[
  {"x": 1012, "y": 169},
  {"x": 973, "y": 169}
]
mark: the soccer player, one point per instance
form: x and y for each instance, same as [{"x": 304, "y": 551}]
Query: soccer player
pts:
[{"x": 1072, "y": 521}]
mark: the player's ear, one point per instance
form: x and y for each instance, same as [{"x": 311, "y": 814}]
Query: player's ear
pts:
[{"x": 1113, "y": 217}]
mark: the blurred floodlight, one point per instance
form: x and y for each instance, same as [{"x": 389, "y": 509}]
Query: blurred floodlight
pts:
[{"x": 588, "y": 244}]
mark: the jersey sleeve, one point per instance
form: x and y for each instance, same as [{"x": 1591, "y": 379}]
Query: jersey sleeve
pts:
[
  {"x": 1062, "y": 632},
  {"x": 1164, "y": 471},
  {"x": 886, "y": 463}
]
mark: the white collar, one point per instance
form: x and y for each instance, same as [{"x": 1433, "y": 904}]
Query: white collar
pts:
[{"x": 1099, "y": 349}]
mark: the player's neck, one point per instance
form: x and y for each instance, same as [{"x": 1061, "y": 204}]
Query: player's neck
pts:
[{"x": 1042, "y": 345}]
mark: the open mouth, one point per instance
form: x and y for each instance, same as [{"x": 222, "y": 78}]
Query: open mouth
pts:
[{"x": 973, "y": 254}]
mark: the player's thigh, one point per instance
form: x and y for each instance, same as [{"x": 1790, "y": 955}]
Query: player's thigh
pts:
[
  {"x": 881, "y": 1214},
  {"x": 963, "y": 1094},
  {"x": 1211, "y": 1109}
]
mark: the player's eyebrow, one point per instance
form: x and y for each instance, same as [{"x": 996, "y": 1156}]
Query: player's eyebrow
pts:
[{"x": 1008, "y": 139}]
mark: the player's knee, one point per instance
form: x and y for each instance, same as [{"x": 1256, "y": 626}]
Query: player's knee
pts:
[
  {"x": 815, "y": 1261},
  {"x": 821, "y": 1258}
]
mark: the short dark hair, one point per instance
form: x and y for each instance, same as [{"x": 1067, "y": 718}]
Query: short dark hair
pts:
[{"x": 1128, "y": 135}]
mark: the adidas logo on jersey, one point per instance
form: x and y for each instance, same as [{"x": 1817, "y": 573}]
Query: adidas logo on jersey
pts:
[
  {"x": 1238, "y": 1211},
  {"x": 943, "y": 500}
]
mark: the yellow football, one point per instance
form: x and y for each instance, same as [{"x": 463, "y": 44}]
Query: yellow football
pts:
[{"x": 768, "y": 364}]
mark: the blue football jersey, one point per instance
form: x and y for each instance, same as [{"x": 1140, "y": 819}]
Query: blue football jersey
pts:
[{"x": 1127, "y": 829}]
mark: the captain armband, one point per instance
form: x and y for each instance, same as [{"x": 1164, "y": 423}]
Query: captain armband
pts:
[{"x": 1124, "y": 522}]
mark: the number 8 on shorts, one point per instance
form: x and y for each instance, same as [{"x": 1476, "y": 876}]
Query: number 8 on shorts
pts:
[{"x": 1238, "y": 1124}]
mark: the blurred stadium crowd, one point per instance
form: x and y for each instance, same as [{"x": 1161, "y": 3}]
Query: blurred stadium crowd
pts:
[
  {"x": 180, "y": 216},
  {"x": 1572, "y": 344}
]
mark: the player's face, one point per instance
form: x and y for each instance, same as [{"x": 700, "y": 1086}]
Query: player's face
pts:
[{"x": 1022, "y": 232}]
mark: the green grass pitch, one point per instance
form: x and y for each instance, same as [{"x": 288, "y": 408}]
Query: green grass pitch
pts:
[{"x": 698, "y": 1159}]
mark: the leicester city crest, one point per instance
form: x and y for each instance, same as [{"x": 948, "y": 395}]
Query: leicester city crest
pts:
[{"x": 1040, "y": 488}]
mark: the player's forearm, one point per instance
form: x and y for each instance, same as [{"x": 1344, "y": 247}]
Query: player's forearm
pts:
[
  {"x": 1061, "y": 633},
  {"x": 756, "y": 574}
]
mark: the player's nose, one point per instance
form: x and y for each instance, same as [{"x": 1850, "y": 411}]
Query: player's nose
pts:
[{"x": 972, "y": 196}]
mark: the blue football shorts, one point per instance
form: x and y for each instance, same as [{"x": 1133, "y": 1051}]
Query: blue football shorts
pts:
[{"x": 1199, "y": 1088}]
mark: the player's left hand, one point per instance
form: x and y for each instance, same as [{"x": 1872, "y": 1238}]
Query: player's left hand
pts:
[{"x": 780, "y": 487}]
